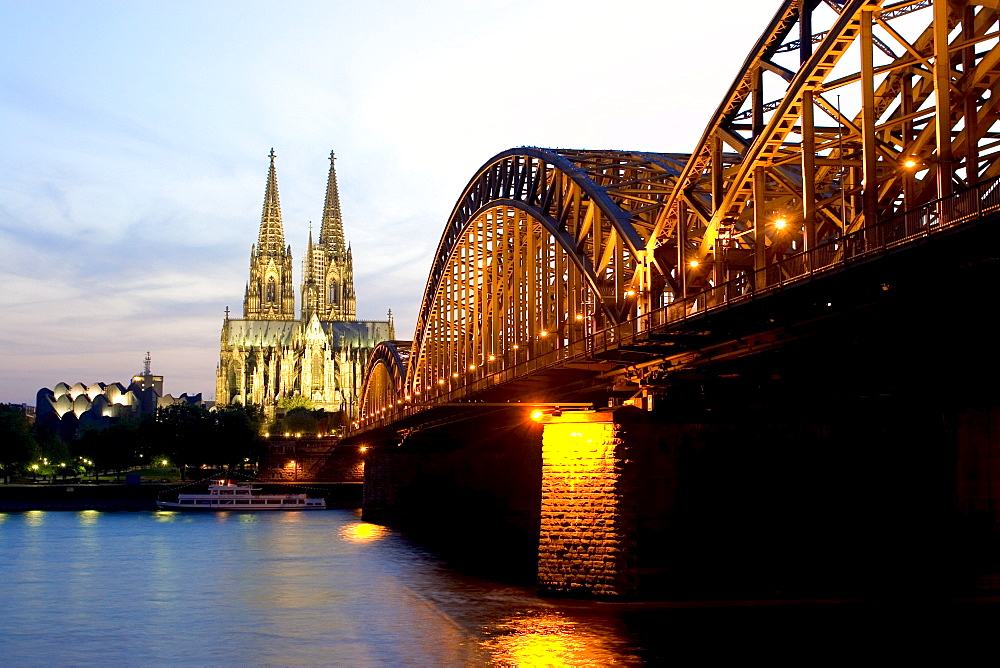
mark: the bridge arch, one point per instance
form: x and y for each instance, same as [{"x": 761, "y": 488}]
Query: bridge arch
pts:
[
  {"x": 385, "y": 372},
  {"x": 542, "y": 248}
]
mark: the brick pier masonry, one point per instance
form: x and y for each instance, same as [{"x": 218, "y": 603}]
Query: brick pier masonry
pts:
[{"x": 586, "y": 520}]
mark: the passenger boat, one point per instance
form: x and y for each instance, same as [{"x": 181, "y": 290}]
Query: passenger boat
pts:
[{"x": 229, "y": 495}]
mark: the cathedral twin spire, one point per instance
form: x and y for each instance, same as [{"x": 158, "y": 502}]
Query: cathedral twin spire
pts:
[{"x": 328, "y": 271}]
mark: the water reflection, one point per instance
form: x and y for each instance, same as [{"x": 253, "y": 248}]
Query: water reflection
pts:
[
  {"x": 88, "y": 517},
  {"x": 268, "y": 588},
  {"x": 362, "y": 532},
  {"x": 550, "y": 639}
]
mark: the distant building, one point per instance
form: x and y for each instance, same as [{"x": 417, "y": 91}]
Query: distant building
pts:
[
  {"x": 70, "y": 408},
  {"x": 270, "y": 354}
]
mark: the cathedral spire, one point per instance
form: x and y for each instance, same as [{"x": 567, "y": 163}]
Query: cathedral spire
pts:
[
  {"x": 331, "y": 231},
  {"x": 269, "y": 294},
  {"x": 272, "y": 235}
]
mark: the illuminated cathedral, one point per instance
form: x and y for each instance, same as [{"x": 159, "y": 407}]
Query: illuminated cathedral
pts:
[{"x": 270, "y": 355}]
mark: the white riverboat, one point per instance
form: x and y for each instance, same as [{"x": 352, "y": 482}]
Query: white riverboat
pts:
[{"x": 229, "y": 495}]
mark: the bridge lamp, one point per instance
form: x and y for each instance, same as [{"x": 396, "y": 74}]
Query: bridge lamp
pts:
[
  {"x": 579, "y": 316},
  {"x": 363, "y": 448},
  {"x": 454, "y": 375},
  {"x": 535, "y": 415},
  {"x": 630, "y": 293},
  {"x": 543, "y": 333},
  {"x": 910, "y": 162},
  {"x": 694, "y": 264},
  {"x": 408, "y": 397},
  {"x": 440, "y": 381},
  {"x": 780, "y": 223},
  {"x": 515, "y": 347},
  {"x": 472, "y": 367},
  {"x": 492, "y": 358}
]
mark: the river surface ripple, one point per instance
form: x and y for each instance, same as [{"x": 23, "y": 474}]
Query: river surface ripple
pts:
[
  {"x": 320, "y": 587},
  {"x": 325, "y": 588}
]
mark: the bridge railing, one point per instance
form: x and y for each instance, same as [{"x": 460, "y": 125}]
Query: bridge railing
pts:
[{"x": 927, "y": 220}]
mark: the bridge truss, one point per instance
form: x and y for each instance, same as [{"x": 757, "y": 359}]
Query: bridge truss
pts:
[{"x": 845, "y": 115}]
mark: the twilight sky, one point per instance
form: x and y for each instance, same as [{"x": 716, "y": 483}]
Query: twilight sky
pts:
[{"x": 136, "y": 137}]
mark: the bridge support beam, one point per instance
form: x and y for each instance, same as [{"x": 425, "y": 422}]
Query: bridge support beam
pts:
[{"x": 587, "y": 520}]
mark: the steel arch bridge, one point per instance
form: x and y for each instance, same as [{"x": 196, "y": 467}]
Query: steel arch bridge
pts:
[{"x": 853, "y": 126}]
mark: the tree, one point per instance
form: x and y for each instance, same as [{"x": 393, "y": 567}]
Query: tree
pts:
[
  {"x": 237, "y": 439},
  {"x": 184, "y": 432},
  {"x": 301, "y": 421},
  {"x": 293, "y": 402},
  {"x": 17, "y": 443}
]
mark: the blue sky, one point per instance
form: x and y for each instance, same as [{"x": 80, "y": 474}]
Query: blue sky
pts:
[{"x": 136, "y": 137}]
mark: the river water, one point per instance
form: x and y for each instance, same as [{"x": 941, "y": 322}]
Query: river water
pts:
[
  {"x": 320, "y": 587},
  {"x": 325, "y": 588}
]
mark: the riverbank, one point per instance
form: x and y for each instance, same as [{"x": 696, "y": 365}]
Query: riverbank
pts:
[{"x": 120, "y": 496}]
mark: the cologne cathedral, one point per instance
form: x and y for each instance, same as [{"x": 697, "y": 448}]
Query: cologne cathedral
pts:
[{"x": 270, "y": 354}]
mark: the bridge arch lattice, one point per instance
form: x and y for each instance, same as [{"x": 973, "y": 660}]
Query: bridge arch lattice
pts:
[
  {"x": 843, "y": 115},
  {"x": 383, "y": 385},
  {"x": 848, "y": 128},
  {"x": 542, "y": 248}
]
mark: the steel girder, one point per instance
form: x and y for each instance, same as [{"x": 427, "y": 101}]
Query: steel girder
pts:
[
  {"x": 542, "y": 248},
  {"x": 868, "y": 109},
  {"x": 846, "y": 112},
  {"x": 385, "y": 371}
]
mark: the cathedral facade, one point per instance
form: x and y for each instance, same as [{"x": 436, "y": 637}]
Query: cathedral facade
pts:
[{"x": 270, "y": 355}]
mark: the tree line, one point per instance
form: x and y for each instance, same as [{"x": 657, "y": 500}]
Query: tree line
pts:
[{"x": 183, "y": 435}]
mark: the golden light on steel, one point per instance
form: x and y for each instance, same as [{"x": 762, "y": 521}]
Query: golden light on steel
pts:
[
  {"x": 440, "y": 381},
  {"x": 916, "y": 123},
  {"x": 491, "y": 358},
  {"x": 537, "y": 415},
  {"x": 780, "y": 223}
]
